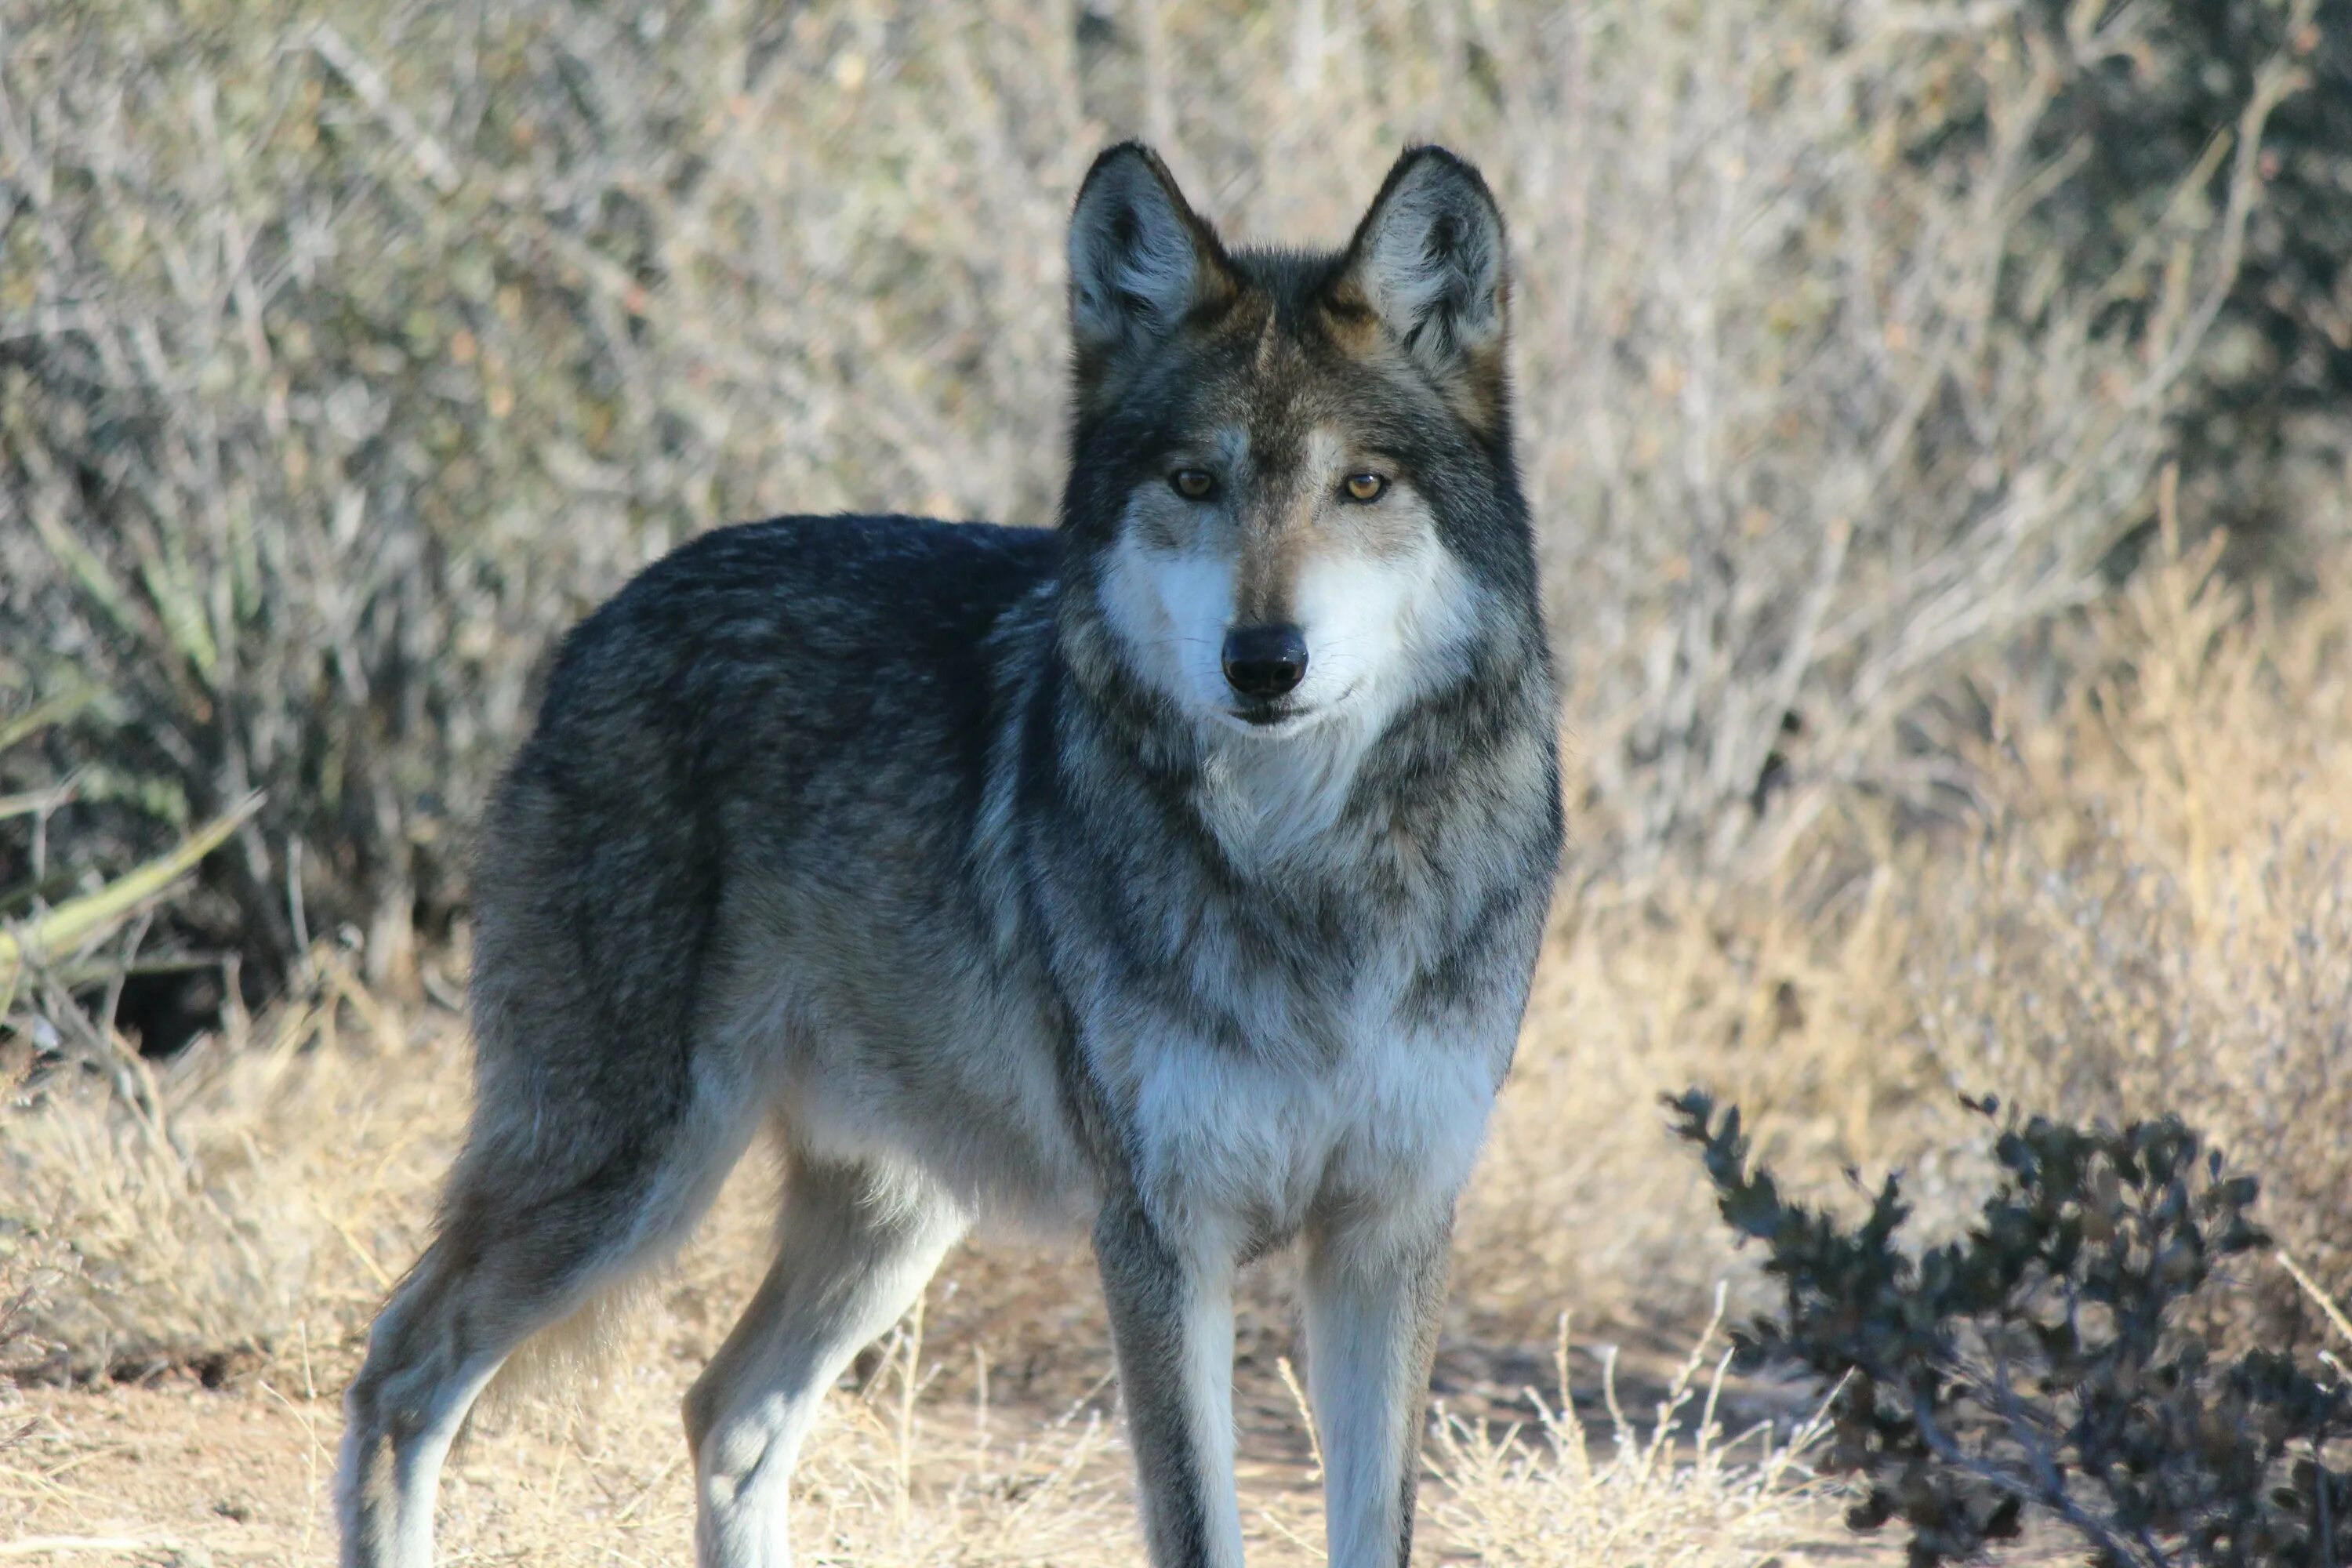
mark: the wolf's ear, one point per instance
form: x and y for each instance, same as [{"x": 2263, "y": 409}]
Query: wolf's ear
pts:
[
  {"x": 1428, "y": 259},
  {"x": 1140, "y": 258}
]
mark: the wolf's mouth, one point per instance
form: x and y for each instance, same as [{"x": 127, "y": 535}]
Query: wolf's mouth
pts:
[
  {"x": 1267, "y": 715},
  {"x": 1277, "y": 715}
]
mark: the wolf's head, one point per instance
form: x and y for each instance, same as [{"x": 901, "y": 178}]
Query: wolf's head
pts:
[{"x": 1292, "y": 495}]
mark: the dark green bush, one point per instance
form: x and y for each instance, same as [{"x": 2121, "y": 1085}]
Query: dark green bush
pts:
[{"x": 2047, "y": 1362}]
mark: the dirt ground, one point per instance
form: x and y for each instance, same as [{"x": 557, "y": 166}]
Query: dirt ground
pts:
[
  {"x": 174, "y": 1472},
  {"x": 170, "y": 1470},
  {"x": 1009, "y": 1450}
]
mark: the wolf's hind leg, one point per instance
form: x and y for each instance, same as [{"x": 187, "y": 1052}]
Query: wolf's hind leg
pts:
[
  {"x": 858, "y": 1246},
  {"x": 514, "y": 1256}
]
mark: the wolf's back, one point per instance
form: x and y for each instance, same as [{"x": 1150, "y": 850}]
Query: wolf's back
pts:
[{"x": 814, "y": 693}]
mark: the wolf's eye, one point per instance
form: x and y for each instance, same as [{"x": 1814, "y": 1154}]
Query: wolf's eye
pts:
[
  {"x": 1365, "y": 487},
  {"x": 1194, "y": 484}
]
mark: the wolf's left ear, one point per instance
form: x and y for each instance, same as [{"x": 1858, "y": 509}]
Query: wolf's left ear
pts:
[{"x": 1429, "y": 261}]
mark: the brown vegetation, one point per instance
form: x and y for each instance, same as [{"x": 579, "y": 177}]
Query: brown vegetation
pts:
[{"x": 1925, "y": 734}]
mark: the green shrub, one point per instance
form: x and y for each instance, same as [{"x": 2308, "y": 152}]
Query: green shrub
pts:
[{"x": 2046, "y": 1361}]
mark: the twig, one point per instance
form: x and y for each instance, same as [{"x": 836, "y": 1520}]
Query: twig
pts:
[
  {"x": 1306, "y": 1414},
  {"x": 50, "y": 1545},
  {"x": 2334, "y": 1313},
  {"x": 43, "y": 714},
  {"x": 71, "y": 923},
  {"x": 432, "y": 161}
]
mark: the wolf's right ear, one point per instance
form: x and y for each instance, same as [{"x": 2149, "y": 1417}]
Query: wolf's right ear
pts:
[{"x": 1140, "y": 258}]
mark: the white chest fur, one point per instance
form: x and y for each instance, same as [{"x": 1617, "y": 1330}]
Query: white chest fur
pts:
[{"x": 1233, "y": 1142}]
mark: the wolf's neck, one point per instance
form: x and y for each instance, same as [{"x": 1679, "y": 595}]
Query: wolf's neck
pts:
[{"x": 1269, "y": 801}]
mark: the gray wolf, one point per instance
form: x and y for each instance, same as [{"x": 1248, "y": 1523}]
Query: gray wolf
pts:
[{"x": 1175, "y": 874}]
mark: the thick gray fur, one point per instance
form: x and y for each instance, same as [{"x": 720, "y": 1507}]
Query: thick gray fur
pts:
[{"x": 938, "y": 851}]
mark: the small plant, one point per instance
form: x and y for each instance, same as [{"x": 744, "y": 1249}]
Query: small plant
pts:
[
  {"x": 2042, "y": 1362},
  {"x": 1688, "y": 1493}
]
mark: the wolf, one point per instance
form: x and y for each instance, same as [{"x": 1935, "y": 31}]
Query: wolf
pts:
[{"x": 1175, "y": 874}]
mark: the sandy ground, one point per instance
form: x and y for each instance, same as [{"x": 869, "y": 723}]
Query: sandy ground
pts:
[
  {"x": 173, "y": 1472},
  {"x": 1022, "y": 1440},
  {"x": 1008, "y": 1452},
  {"x": 995, "y": 1458}
]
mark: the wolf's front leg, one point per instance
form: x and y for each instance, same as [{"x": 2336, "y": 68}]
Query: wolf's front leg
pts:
[
  {"x": 1172, "y": 1321},
  {"x": 1375, "y": 1289}
]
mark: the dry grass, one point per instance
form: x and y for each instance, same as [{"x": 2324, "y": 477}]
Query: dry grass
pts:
[
  {"x": 2160, "y": 914},
  {"x": 1686, "y": 1493},
  {"x": 2148, "y": 912},
  {"x": 249, "y": 1197},
  {"x": 342, "y": 365},
  {"x": 2149, "y": 908},
  {"x": 248, "y": 1252}
]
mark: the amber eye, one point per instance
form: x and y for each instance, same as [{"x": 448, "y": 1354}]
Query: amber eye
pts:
[
  {"x": 1194, "y": 484},
  {"x": 1366, "y": 487}
]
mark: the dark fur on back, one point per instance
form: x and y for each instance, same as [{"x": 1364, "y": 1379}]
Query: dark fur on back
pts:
[{"x": 680, "y": 719}]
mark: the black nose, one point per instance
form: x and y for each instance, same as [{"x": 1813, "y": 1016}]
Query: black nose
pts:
[{"x": 1264, "y": 661}]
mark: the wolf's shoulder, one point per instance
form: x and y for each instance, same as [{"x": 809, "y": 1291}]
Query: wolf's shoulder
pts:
[
  {"x": 811, "y": 557},
  {"x": 795, "y": 603},
  {"x": 916, "y": 580}
]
